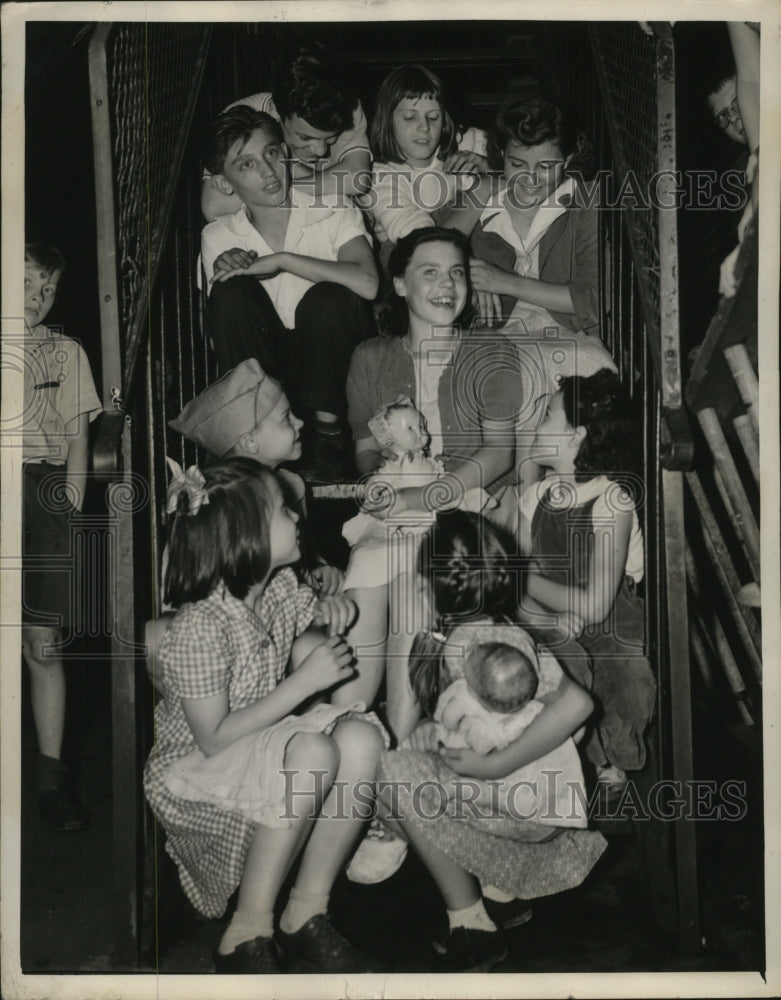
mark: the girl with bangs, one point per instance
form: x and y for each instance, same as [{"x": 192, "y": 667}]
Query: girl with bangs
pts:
[
  {"x": 241, "y": 783},
  {"x": 422, "y": 164}
]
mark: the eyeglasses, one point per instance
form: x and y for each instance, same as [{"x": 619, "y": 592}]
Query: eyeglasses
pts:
[{"x": 729, "y": 114}]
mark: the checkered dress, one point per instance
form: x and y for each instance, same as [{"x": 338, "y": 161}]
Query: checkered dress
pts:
[{"x": 212, "y": 646}]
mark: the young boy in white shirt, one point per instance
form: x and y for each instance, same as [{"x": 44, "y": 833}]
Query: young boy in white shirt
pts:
[
  {"x": 60, "y": 403},
  {"x": 289, "y": 277}
]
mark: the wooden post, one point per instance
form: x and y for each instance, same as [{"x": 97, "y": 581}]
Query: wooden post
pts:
[
  {"x": 680, "y": 700},
  {"x": 745, "y": 522},
  {"x": 745, "y": 380},
  {"x": 750, "y": 441},
  {"x": 727, "y": 576},
  {"x": 125, "y": 769}
]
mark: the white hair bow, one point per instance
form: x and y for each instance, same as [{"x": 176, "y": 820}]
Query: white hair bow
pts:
[{"x": 191, "y": 481}]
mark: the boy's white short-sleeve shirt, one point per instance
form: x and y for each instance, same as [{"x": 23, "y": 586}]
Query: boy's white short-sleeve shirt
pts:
[
  {"x": 58, "y": 386},
  {"x": 313, "y": 231}
]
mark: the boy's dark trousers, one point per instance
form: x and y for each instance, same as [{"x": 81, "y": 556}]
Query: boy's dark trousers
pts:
[{"x": 311, "y": 361}]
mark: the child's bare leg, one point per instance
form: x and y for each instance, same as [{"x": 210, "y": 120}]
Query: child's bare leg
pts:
[
  {"x": 459, "y": 889},
  {"x": 367, "y": 637},
  {"x": 47, "y": 687},
  {"x": 409, "y": 613},
  {"x": 344, "y": 812},
  {"x": 59, "y": 805},
  {"x": 273, "y": 851}
]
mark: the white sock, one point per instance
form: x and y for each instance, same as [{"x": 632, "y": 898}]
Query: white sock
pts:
[
  {"x": 245, "y": 926},
  {"x": 473, "y": 916},
  {"x": 302, "y": 906}
]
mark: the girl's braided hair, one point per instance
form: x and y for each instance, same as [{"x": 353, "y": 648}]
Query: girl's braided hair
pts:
[{"x": 466, "y": 563}]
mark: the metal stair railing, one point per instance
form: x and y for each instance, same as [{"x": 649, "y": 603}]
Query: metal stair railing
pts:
[
  {"x": 152, "y": 88},
  {"x": 144, "y": 81}
]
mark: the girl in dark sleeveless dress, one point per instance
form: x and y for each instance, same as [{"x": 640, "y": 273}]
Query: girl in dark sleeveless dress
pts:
[{"x": 580, "y": 527}]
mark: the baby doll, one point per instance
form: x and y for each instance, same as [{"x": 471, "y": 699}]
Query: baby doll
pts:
[
  {"x": 400, "y": 430},
  {"x": 494, "y": 673},
  {"x": 492, "y": 703}
]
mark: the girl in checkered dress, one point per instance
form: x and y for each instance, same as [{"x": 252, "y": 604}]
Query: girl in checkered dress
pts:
[{"x": 242, "y": 785}]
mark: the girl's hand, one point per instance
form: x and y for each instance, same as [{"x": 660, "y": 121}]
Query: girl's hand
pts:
[
  {"x": 465, "y": 163},
  {"x": 328, "y": 664},
  {"x": 486, "y": 277},
  {"x": 381, "y": 501},
  {"x": 488, "y": 307},
  {"x": 335, "y": 612},
  {"x": 467, "y": 762},
  {"x": 387, "y": 500},
  {"x": 231, "y": 260},
  {"x": 327, "y": 580},
  {"x": 418, "y": 499},
  {"x": 263, "y": 267},
  {"x": 423, "y": 737}
]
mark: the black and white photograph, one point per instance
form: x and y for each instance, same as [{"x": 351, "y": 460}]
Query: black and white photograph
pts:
[{"x": 390, "y": 499}]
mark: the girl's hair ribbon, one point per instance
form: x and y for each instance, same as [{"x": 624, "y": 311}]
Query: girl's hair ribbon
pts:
[{"x": 192, "y": 482}]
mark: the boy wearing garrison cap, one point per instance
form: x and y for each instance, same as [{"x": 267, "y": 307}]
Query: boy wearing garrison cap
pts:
[{"x": 246, "y": 413}]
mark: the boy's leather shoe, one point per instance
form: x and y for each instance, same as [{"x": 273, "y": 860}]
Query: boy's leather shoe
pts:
[
  {"x": 326, "y": 462},
  {"x": 260, "y": 955},
  {"x": 61, "y": 809},
  {"x": 319, "y": 947}
]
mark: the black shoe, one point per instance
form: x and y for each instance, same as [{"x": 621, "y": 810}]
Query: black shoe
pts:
[
  {"x": 319, "y": 947},
  {"x": 61, "y": 809},
  {"x": 258, "y": 955},
  {"x": 510, "y": 914},
  {"x": 514, "y": 913},
  {"x": 326, "y": 461},
  {"x": 470, "y": 950}
]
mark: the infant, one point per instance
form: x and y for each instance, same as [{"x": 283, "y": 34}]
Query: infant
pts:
[
  {"x": 492, "y": 704},
  {"x": 500, "y": 682}
]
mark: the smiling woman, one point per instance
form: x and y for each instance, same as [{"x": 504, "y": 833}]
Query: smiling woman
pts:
[
  {"x": 468, "y": 389},
  {"x": 537, "y": 250}
]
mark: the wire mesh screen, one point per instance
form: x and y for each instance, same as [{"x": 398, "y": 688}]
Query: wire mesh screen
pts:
[
  {"x": 179, "y": 363},
  {"x": 623, "y": 316},
  {"x": 153, "y": 75},
  {"x": 625, "y": 59}
]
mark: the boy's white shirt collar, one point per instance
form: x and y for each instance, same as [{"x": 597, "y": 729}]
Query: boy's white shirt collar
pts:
[
  {"x": 495, "y": 219},
  {"x": 304, "y": 216},
  {"x": 42, "y": 332}
]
